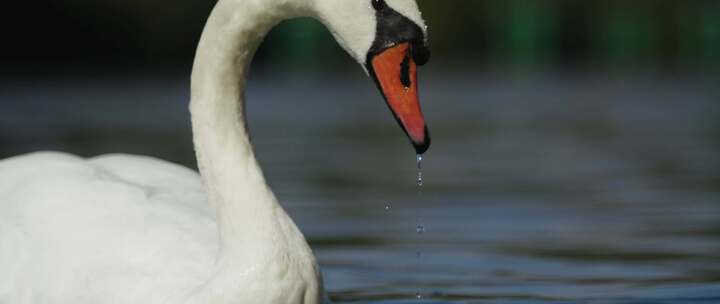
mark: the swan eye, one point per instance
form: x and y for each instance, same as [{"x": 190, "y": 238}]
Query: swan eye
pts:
[{"x": 378, "y": 4}]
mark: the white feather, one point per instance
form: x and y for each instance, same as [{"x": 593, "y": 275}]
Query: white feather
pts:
[
  {"x": 115, "y": 229},
  {"x": 132, "y": 229}
]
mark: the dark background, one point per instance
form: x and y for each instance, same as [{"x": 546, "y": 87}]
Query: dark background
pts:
[{"x": 61, "y": 37}]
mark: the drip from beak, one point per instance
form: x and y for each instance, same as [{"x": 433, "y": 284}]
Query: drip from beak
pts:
[{"x": 395, "y": 72}]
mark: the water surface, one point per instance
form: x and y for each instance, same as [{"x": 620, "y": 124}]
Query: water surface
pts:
[{"x": 554, "y": 189}]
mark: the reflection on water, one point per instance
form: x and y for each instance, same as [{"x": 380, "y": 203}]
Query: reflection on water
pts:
[{"x": 561, "y": 190}]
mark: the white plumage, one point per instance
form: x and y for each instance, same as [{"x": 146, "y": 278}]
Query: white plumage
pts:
[
  {"x": 133, "y": 229},
  {"x": 112, "y": 229}
]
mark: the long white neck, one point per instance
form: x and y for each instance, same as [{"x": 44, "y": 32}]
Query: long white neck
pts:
[{"x": 258, "y": 241}]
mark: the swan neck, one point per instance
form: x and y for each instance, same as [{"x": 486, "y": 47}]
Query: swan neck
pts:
[
  {"x": 260, "y": 247},
  {"x": 244, "y": 205}
]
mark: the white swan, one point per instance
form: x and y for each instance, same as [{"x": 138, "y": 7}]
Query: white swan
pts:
[{"x": 132, "y": 229}]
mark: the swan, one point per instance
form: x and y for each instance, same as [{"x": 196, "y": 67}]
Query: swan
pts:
[{"x": 135, "y": 229}]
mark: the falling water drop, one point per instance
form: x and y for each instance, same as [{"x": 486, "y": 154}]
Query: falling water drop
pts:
[
  {"x": 420, "y": 228},
  {"x": 419, "y": 170}
]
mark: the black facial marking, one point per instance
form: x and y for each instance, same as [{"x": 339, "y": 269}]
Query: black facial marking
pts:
[
  {"x": 378, "y": 4},
  {"x": 392, "y": 29}
]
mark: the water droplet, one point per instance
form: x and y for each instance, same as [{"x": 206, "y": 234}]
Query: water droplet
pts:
[
  {"x": 420, "y": 229},
  {"x": 419, "y": 170}
]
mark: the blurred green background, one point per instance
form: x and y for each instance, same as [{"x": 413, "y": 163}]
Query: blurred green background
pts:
[{"x": 659, "y": 35}]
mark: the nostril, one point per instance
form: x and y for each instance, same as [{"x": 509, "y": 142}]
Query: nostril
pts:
[{"x": 405, "y": 72}]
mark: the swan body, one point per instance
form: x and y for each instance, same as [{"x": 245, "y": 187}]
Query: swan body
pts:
[
  {"x": 73, "y": 230},
  {"x": 134, "y": 229}
]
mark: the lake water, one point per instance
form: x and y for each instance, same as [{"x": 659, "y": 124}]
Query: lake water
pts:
[{"x": 552, "y": 189}]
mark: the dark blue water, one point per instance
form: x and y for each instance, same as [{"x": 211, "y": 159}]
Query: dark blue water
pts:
[{"x": 544, "y": 189}]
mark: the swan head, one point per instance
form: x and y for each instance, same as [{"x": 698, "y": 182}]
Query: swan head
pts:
[{"x": 389, "y": 39}]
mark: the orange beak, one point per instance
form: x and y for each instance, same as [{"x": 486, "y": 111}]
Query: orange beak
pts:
[{"x": 395, "y": 71}]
